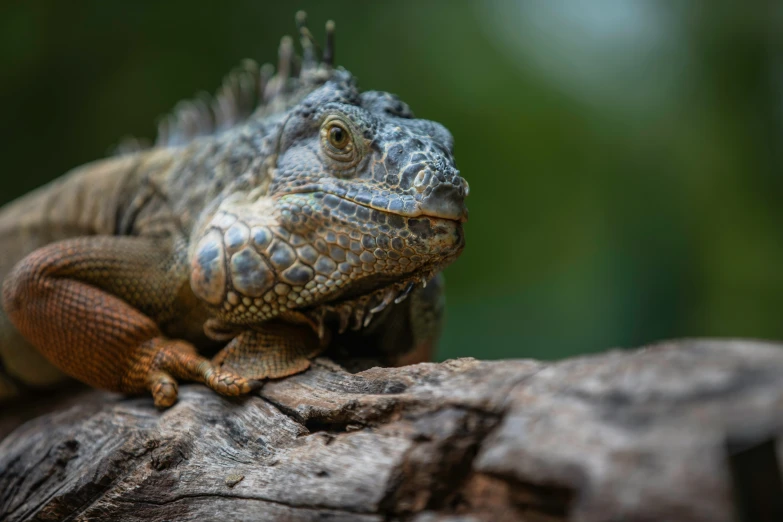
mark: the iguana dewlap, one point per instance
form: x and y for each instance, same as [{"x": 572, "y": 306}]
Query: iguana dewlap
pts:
[{"x": 288, "y": 209}]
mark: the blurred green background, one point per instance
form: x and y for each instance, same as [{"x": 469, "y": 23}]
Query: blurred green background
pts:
[{"x": 624, "y": 158}]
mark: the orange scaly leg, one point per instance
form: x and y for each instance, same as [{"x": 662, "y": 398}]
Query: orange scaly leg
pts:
[{"x": 86, "y": 304}]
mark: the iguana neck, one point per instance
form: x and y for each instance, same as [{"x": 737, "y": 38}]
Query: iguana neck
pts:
[{"x": 172, "y": 188}]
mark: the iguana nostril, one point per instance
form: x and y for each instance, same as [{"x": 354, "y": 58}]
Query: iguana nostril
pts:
[
  {"x": 446, "y": 201},
  {"x": 467, "y": 187},
  {"x": 422, "y": 180}
]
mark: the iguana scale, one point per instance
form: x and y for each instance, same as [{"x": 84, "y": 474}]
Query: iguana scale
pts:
[{"x": 287, "y": 210}]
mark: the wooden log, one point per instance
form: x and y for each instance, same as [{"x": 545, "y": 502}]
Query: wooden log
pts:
[{"x": 623, "y": 435}]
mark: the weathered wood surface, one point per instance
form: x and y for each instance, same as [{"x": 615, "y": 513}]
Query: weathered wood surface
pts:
[{"x": 625, "y": 435}]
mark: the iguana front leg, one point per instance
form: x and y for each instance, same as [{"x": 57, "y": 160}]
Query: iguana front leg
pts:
[{"x": 88, "y": 305}]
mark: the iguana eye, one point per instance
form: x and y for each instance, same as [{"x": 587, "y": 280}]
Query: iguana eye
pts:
[
  {"x": 338, "y": 136},
  {"x": 338, "y": 142}
]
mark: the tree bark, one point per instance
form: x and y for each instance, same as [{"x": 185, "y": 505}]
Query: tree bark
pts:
[{"x": 641, "y": 435}]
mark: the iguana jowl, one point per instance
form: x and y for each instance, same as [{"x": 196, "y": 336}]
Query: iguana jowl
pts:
[{"x": 288, "y": 207}]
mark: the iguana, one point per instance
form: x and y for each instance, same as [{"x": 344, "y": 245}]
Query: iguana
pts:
[{"x": 272, "y": 218}]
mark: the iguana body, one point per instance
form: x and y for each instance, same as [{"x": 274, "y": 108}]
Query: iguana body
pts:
[{"x": 272, "y": 229}]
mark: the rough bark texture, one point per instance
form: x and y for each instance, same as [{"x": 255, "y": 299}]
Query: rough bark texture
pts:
[{"x": 625, "y": 435}]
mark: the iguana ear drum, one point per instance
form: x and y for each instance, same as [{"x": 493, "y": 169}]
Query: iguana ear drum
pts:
[{"x": 227, "y": 261}]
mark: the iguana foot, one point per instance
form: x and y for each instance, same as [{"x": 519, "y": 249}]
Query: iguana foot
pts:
[{"x": 162, "y": 361}]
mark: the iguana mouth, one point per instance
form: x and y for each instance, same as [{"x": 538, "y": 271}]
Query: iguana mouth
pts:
[
  {"x": 435, "y": 205},
  {"x": 397, "y": 207}
]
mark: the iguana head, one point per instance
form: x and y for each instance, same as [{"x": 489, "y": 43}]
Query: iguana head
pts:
[{"x": 361, "y": 202}]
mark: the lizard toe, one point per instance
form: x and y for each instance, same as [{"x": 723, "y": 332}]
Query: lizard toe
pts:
[
  {"x": 229, "y": 383},
  {"x": 164, "y": 389}
]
